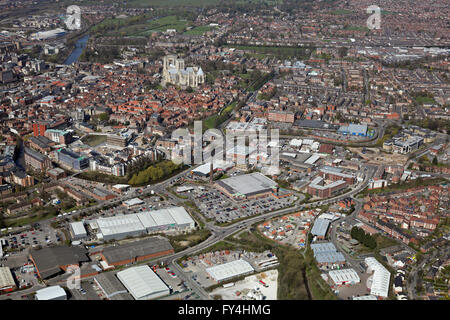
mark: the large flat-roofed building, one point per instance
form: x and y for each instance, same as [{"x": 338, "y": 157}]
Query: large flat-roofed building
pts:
[
  {"x": 51, "y": 293},
  {"x": 77, "y": 230},
  {"x": 120, "y": 227},
  {"x": 205, "y": 169},
  {"x": 320, "y": 228},
  {"x": 326, "y": 254},
  {"x": 52, "y": 261},
  {"x": 250, "y": 185},
  {"x": 226, "y": 271},
  {"x": 344, "y": 277},
  {"x": 49, "y": 34},
  {"x": 380, "y": 278},
  {"x": 111, "y": 287},
  {"x": 142, "y": 283},
  {"x": 164, "y": 219},
  {"x": 354, "y": 129},
  {"x": 132, "y": 202},
  {"x": 7, "y": 283},
  {"x": 137, "y": 251},
  {"x": 320, "y": 189},
  {"x": 336, "y": 174},
  {"x": 71, "y": 159},
  {"x": 181, "y": 217},
  {"x": 406, "y": 145}
]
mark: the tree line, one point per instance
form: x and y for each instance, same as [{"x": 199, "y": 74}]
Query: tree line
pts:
[
  {"x": 363, "y": 237},
  {"x": 154, "y": 173}
]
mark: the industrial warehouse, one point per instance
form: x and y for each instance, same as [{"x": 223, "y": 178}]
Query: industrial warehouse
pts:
[
  {"x": 77, "y": 230},
  {"x": 327, "y": 254},
  {"x": 136, "y": 251},
  {"x": 226, "y": 271},
  {"x": 52, "y": 261},
  {"x": 344, "y": 277},
  {"x": 320, "y": 228},
  {"x": 137, "y": 224},
  {"x": 380, "y": 278},
  {"x": 51, "y": 293},
  {"x": 111, "y": 287},
  {"x": 248, "y": 186},
  {"x": 6, "y": 280},
  {"x": 142, "y": 283}
]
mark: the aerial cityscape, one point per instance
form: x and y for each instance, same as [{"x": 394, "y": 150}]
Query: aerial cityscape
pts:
[{"x": 253, "y": 150}]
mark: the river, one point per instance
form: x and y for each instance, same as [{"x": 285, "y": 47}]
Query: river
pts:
[{"x": 79, "y": 47}]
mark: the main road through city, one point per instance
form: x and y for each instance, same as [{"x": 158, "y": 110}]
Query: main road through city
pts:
[{"x": 220, "y": 233}]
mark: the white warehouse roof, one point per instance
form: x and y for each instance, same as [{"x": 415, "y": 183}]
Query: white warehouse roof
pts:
[
  {"x": 162, "y": 217},
  {"x": 120, "y": 224},
  {"x": 6, "y": 278},
  {"x": 130, "y": 223},
  {"x": 205, "y": 169},
  {"x": 78, "y": 228},
  {"x": 133, "y": 202},
  {"x": 51, "y": 293},
  {"x": 179, "y": 214},
  {"x": 296, "y": 142},
  {"x": 320, "y": 227},
  {"x": 313, "y": 159},
  {"x": 248, "y": 184},
  {"x": 121, "y": 186},
  {"x": 381, "y": 277},
  {"x": 143, "y": 283},
  {"x": 229, "y": 270},
  {"x": 344, "y": 276}
]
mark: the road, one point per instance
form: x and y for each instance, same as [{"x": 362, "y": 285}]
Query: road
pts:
[
  {"x": 333, "y": 234},
  {"x": 220, "y": 233}
]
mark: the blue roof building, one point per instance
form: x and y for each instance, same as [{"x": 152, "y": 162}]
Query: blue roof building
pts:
[{"x": 354, "y": 129}]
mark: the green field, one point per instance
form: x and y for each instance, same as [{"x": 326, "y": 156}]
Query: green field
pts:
[
  {"x": 93, "y": 139},
  {"x": 137, "y": 26},
  {"x": 424, "y": 100},
  {"x": 215, "y": 120},
  {"x": 340, "y": 11},
  {"x": 146, "y": 28},
  {"x": 161, "y": 25},
  {"x": 196, "y": 31}
]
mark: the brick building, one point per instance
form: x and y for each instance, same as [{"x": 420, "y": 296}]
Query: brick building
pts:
[{"x": 137, "y": 251}]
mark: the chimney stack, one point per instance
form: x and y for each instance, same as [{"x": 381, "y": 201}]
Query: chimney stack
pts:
[{"x": 211, "y": 173}]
